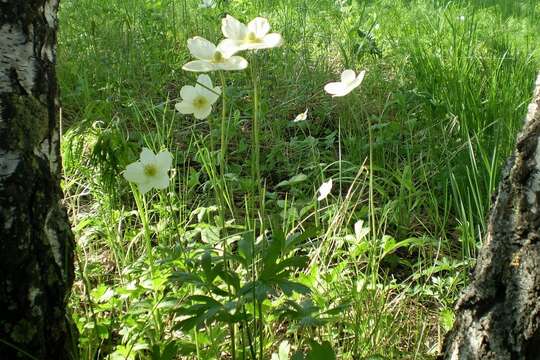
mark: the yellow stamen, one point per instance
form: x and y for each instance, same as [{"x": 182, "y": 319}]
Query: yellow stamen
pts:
[
  {"x": 150, "y": 170},
  {"x": 218, "y": 57},
  {"x": 251, "y": 37},
  {"x": 200, "y": 102}
]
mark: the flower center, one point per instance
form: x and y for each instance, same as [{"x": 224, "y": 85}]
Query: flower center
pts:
[
  {"x": 150, "y": 170},
  {"x": 218, "y": 57},
  {"x": 251, "y": 37},
  {"x": 200, "y": 102}
]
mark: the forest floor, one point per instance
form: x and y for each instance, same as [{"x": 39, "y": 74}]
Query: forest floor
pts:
[{"x": 241, "y": 256}]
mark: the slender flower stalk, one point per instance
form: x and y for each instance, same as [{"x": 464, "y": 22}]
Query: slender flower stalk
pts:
[
  {"x": 256, "y": 154},
  {"x": 224, "y": 127}
]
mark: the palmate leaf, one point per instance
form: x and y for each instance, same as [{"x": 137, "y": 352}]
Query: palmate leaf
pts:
[
  {"x": 186, "y": 277},
  {"x": 288, "y": 287},
  {"x": 204, "y": 309},
  {"x": 258, "y": 289},
  {"x": 274, "y": 271},
  {"x": 230, "y": 278},
  {"x": 306, "y": 314},
  {"x": 322, "y": 351},
  {"x": 292, "y": 241}
]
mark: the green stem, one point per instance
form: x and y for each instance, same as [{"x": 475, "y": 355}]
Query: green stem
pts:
[
  {"x": 222, "y": 167},
  {"x": 256, "y": 154},
  {"x": 371, "y": 199},
  {"x": 261, "y": 331},
  {"x": 223, "y": 153},
  {"x": 140, "y": 201}
]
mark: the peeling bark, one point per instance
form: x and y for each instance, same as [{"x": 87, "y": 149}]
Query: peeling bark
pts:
[
  {"x": 36, "y": 243},
  {"x": 498, "y": 315}
]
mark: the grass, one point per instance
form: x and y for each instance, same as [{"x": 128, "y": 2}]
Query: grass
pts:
[{"x": 221, "y": 265}]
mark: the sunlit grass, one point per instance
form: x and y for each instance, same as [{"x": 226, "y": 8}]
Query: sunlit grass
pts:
[{"x": 372, "y": 263}]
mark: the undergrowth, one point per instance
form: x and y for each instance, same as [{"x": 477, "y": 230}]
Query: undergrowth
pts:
[{"x": 236, "y": 258}]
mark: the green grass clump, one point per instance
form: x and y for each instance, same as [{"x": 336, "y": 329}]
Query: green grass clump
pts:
[{"x": 237, "y": 256}]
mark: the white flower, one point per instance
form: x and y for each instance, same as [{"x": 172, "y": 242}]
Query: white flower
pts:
[
  {"x": 211, "y": 57},
  {"x": 251, "y": 37},
  {"x": 198, "y": 99},
  {"x": 207, "y": 4},
  {"x": 324, "y": 190},
  {"x": 349, "y": 81},
  {"x": 151, "y": 171},
  {"x": 283, "y": 351},
  {"x": 359, "y": 230},
  {"x": 301, "y": 116}
]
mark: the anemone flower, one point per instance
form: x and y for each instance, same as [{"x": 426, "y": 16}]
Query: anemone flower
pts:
[
  {"x": 207, "y": 4},
  {"x": 359, "y": 230},
  {"x": 252, "y": 36},
  {"x": 150, "y": 171},
  {"x": 349, "y": 82},
  {"x": 198, "y": 99},
  {"x": 301, "y": 116},
  {"x": 211, "y": 57},
  {"x": 324, "y": 190}
]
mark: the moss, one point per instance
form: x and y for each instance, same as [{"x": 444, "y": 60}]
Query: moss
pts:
[
  {"x": 23, "y": 332},
  {"x": 32, "y": 117}
]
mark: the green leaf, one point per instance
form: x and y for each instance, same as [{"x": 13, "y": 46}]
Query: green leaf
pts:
[
  {"x": 206, "y": 263},
  {"x": 245, "y": 247},
  {"x": 288, "y": 287},
  {"x": 169, "y": 353},
  {"x": 447, "y": 318},
  {"x": 189, "y": 323},
  {"x": 231, "y": 278},
  {"x": 322, "y": 351},
  {"x": 298, "y": 238}
]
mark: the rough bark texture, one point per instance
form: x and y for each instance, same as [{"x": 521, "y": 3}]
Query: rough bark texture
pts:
[
  {"x": 498, "y": 315},
  {"x": 36, "y": 243}
]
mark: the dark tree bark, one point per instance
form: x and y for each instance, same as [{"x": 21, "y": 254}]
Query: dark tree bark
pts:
[
  {"x": 498, "y": 315},
  {"x": 36, "y": 243}
]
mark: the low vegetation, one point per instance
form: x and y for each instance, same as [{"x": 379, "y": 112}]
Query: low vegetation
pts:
[{"x": 268, "y": 218}]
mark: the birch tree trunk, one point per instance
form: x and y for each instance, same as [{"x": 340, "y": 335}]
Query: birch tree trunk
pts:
[
  {"x": 36, "y": 243},
  {"x": 498, "y": 315}
]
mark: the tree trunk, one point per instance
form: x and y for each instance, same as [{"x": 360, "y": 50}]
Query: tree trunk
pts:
[
  {"x": 498, "y": 315},
  {"x": 36, "y": 243}
]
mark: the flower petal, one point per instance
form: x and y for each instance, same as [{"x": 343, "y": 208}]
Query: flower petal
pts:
[
  {"x": 135, "y": 172},
  {"x": 164, "y": 161},
  {"x": 358, "y": 80},
  {"x": 229, "y": 47},
  {"x": 301, "y": 116},
  {"x": 234, "y": 63},
  {"x": 202, "y": 113},
  {"x": 210, "y": 95},
  {"x": 160, "y": 181},
  {"x": 199, "y": 66},
  {"x": 272, "y": 40},
  {"x": 201, "y": 48},
  {"x": 335, "y": 88},
  {"x": 233, "y": 29},
  {"x": 348, "y": 76},
  {"x": 324, "y": 190},
  {"x": 184, "y": 107},
  {"x": 188, "y": 93},
  {"x": 207, "y": 4},
  {"x": 204, "y": 80},
  {"x": 145, "y": 187},
  {"x": 147, "y": 156},
  {"x": 259, "y": 26}
]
